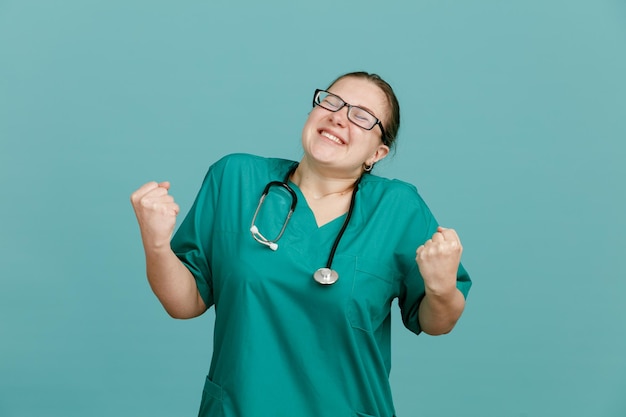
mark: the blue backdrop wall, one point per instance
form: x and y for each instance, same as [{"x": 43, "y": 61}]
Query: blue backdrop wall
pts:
[{"x": 514, "y": 129}]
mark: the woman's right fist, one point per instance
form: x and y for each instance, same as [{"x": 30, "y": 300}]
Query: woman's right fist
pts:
[{"x": 156, "y": 213}]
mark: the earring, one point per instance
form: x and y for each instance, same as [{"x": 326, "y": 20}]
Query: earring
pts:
[{"x": 368, "y": 168}]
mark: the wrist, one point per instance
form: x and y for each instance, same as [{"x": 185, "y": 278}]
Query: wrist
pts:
[
  {"x": 441, "y": 293},
  {"x": 157, "y": 248}
]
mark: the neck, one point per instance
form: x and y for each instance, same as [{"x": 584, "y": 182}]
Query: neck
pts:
[{"x": 317, "y": 184}]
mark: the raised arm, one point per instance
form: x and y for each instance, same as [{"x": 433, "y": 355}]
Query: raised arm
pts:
[
  {"x": 170, "y": 280},
  {"x": 438, "y": 260}
]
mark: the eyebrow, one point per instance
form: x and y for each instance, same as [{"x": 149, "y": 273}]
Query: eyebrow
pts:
[{"x": 356, "y": 105}]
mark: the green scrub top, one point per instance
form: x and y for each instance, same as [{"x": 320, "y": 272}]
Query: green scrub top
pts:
[{"x": 285, "y": 345}]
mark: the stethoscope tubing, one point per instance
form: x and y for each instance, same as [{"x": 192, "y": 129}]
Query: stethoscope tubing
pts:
[
  {"x": 331, "y": 256},
  {"x": 323, "y": 275}
]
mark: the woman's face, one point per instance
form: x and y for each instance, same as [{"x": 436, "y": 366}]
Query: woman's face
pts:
[{"x": 330, "y": 139}]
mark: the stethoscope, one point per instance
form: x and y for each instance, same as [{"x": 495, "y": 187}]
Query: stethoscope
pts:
[{"x": 325, "y": 275}]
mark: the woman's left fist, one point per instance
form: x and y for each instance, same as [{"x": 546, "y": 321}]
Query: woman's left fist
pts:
[{"x": 438, "y": 260}]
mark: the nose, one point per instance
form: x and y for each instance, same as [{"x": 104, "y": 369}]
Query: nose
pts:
[{"x": 340, "y": 117}]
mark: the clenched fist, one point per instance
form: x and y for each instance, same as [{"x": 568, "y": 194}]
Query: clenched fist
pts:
[
  {"x": 156, "y": 213},
  {"x": 438, "y": 261}
]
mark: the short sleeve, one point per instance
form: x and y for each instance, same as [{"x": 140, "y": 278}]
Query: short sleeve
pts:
[
  {"x": 192, "y": 242},
  {"x": 412, "y": 289}
]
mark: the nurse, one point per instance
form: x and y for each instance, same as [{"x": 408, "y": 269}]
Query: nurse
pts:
[{"x": 290, "y": 340}]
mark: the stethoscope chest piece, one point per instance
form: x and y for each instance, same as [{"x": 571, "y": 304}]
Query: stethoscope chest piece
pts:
[{"x": 326, "y": 276}]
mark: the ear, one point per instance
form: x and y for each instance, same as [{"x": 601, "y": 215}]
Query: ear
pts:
[{"x": 380, "y": 153}]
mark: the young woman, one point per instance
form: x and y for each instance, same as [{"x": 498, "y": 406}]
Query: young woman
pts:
[{"x": 302, "y": 281}]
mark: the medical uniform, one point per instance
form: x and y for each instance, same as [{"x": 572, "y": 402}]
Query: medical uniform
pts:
[{"x": 284, "y": 345}]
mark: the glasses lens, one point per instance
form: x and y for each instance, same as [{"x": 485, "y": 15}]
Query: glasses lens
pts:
[
  {"x": 329, "y": 101},
  {"x": 362, "y": 117},
  {"x": 356, "y": 115}
]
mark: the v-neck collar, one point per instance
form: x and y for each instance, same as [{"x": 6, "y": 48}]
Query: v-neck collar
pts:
[{"x": 307, "y": 214}]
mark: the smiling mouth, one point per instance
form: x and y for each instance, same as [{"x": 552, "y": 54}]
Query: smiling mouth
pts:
[{"x": 332, "y": 138}]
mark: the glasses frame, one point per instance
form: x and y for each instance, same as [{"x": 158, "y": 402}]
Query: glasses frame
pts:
[{"x": 350, "y": 107}]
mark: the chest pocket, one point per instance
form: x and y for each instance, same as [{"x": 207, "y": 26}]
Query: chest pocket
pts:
[{"x": 372, "y": 293}]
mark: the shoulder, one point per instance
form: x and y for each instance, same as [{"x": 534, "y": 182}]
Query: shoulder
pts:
[
  {"x": 235, "y": 172},
  {"x": 394, "y": 212},
  {"x": 242, "y": 164},
  {"x": 383, "y": 199},
  {"x": 242, "y": 160},
  {"x": 391, "y": 191}
]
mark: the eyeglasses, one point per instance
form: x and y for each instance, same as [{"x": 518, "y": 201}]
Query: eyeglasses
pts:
[{"x": 357, "y": 115}]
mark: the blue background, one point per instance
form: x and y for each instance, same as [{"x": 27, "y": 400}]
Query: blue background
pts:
[{"x": 514, "y": 123}]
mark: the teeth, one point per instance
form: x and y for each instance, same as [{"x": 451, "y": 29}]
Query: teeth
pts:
[{"x": 332, "y": 137}]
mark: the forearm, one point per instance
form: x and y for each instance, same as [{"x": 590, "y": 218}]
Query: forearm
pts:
[
  {"x": 438, "y": 313},
  {"x": 173, "y": 284}
]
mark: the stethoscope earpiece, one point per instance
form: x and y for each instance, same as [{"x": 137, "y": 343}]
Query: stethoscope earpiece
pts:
[{"x": 262, "y": 239}]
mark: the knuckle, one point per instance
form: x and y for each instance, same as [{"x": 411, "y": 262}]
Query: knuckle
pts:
[{"x": 145, "y": 203}]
